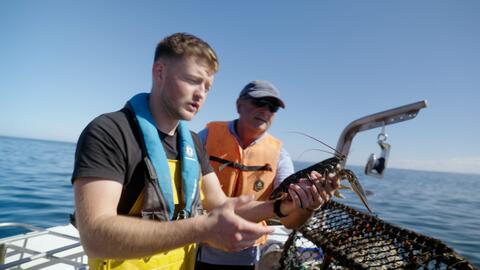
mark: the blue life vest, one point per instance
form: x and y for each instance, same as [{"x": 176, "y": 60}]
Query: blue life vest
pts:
[{"x": 157, "y": 163}]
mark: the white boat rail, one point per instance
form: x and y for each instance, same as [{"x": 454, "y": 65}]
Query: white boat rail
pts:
[{"x": 54, "y": 248}]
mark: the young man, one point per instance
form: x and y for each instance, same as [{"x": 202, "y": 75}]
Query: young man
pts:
[
  {"x": 248, "y": 161},
  {"x": 141, "y": 177}
]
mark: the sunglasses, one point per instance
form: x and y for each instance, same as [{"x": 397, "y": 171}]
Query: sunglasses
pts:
[{"x": 262, "y": 102}]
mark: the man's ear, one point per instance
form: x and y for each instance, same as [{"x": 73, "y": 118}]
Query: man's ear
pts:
[
  {"x": 239, "y": 106},
  {"x": 158, "y": 70}
]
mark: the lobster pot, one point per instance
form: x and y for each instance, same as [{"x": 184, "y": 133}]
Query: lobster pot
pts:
[{"x": 339, "y": 237}]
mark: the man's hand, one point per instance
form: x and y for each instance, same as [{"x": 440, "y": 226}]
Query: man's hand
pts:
[
  {"x": 228, "y": 231},
  {"x": 311, "y": 193}
]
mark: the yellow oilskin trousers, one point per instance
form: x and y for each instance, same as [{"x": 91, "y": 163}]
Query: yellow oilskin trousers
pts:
[{"x": 177, "y": 259}]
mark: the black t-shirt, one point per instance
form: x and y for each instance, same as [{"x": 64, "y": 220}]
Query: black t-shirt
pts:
[{"x": 110, "y": 148}]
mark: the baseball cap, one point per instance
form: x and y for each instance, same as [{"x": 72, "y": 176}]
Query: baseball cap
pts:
[{"x": 261, "y": 89}]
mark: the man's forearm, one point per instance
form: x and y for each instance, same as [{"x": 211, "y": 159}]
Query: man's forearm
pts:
[
  {"x": 127, "y": 237},
  {"x": 296, "y": 218},
  {"x": 256, "y": 211}
]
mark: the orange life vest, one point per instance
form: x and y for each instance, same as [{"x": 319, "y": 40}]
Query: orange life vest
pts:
[{"x": 243, "y": 171}]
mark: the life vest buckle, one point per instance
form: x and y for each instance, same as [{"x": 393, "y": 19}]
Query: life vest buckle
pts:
[{"x": 182, "y": 214}]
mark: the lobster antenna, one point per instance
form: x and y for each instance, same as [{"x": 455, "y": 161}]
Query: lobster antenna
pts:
[
  {"x": 314, "y": 149},
  {"x": 313, "y": 138}
]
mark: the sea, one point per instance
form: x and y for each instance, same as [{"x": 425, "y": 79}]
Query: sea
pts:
[{"x": 35, "y": 188}]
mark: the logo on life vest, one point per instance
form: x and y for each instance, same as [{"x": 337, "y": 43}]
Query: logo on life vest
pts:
[
  {"x": 258, "y": 185},
  {"x": 189, "y": 151}
]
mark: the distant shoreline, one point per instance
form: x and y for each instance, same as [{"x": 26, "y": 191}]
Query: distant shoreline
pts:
[{"x": 35, "y": 139}]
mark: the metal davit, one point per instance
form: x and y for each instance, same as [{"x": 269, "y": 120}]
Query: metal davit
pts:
[{"x": 381, "y": 119}]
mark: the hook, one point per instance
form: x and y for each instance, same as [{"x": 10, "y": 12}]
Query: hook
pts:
[{"x": 376, "y": 166}]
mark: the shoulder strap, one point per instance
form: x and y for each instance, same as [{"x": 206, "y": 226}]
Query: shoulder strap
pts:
[{"x": 239, "y": 166}]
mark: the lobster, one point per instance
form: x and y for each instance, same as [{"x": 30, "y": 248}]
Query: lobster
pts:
[{"x": 325, "y": 167}]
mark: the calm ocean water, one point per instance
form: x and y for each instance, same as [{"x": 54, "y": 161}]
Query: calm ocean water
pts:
[{"x": 35, "y": 188}]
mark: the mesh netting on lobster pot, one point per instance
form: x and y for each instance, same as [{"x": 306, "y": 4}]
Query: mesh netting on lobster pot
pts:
[{"x": 339, "y": 237}]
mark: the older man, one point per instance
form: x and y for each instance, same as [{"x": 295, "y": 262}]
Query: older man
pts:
[{"x": 250, "y": 161}]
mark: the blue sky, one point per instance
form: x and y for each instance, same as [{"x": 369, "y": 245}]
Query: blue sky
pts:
[{"x": 63, "y": 62}]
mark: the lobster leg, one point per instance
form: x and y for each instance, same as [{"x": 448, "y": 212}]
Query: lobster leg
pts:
[{"x": 357, "y": 188}]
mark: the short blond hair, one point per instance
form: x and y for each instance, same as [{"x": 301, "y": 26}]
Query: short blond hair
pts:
[{"x": 180, "y": 45}]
